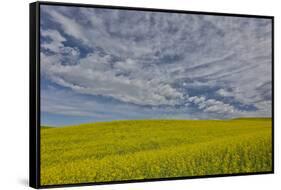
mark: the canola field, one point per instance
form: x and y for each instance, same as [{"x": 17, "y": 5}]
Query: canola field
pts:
[{"x": 148, "y": 149}]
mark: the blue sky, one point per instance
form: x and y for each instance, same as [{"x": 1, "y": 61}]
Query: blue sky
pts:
[{"x": 102, "y": 65}]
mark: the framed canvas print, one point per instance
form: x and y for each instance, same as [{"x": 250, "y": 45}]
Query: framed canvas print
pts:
[{"x": 120, "y": 94}]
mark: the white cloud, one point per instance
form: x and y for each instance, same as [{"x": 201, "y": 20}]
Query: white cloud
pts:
[
  {"x": 57, "y": 101},
  {"x": 63, "y": 53},
  {"x": 93, "y": 75},
  {"x": 144, "y": 58},
  {"x": 69, "y": 25},
  {"x": 211, "y": 105},
  {"x": 224, "y": 93},
  {"x": 56, "y": 38}
]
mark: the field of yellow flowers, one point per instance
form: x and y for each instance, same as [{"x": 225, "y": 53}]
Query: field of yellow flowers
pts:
[{"x": 147, "y": 149}]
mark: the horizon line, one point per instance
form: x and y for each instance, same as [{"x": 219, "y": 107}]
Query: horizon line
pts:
[{"x": 154, "y": 119}]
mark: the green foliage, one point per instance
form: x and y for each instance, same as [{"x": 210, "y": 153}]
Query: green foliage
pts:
[{"x": 145, "y": 149}]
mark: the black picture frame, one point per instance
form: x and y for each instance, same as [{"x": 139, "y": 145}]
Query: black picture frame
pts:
[{"x": 34, "y": 98}]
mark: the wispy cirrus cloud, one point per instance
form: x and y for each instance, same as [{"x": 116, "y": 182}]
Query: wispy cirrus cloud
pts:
[{"x": 159, "y": 59}]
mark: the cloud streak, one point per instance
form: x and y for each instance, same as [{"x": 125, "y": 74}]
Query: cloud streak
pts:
[{"x": 159, "y": 59}]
